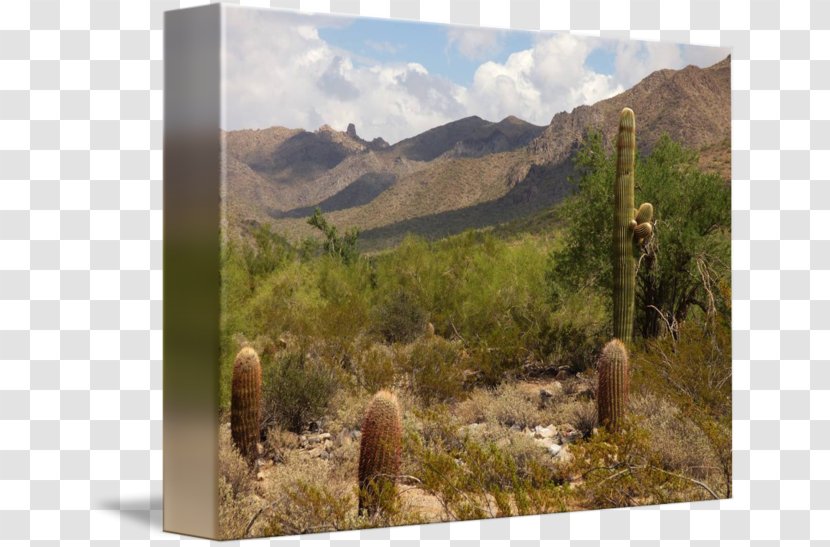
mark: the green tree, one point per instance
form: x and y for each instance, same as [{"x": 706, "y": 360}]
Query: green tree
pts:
[
  {"x": 268, "y": 252},
  {"x": 343, "y": 247},
  {"x": 685, "y": 266}
]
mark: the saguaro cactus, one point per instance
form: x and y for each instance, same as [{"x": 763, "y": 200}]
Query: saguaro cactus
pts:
[
  {"x": 612, "y": 393},
  {"x": 380, "y": 453},
  {"x": 631, "y": 227},
  {"x": 246, "y": 397}
]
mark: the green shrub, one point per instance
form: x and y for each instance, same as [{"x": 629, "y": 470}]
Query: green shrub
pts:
[
  {"x": 692, "y": 219},
  {"x": 237, "y": 501},
  {"x": 488, "y": 477},
  {"x": 434, "y": 369},
  {"x": 296, "y": 390},
  {"x": 375, "y": 368},
  {"x": 400, "y": 317},
  {"x": 577, "y": 331}
]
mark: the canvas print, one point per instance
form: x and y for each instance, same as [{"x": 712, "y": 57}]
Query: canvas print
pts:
[{"x": 468, "y": 273}]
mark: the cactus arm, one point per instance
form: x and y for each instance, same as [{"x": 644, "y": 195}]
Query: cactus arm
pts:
[{"x": 645, "y": 213}]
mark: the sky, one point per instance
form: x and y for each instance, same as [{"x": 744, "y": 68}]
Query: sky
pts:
[{"x": 395, "y": 79}]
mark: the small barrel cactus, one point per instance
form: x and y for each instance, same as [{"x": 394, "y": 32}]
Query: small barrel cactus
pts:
[
  {"x": 612, "y": 392},
  {"x": 246, "y": 397},
  {"x": 380, "y": 453}
]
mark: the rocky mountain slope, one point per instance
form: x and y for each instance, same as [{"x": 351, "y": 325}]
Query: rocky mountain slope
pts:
[{"x": 467, "y": 173}]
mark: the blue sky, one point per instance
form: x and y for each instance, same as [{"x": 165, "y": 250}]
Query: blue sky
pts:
[
  {"x": 429, "y": 45},
  {"x": 394, "y": 79}
]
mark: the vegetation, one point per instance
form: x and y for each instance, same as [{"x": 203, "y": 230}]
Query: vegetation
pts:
[
  {"x": 491, "y": 342},
  {"x": 343, "y": 247},
  {"x": 689, "y": 256}
]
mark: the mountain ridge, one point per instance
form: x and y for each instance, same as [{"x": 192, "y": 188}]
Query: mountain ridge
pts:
[{"x": 466, "y": 171}]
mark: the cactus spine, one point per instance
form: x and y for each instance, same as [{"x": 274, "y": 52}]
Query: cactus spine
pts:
[
  {"x": 246, "y": 396},
  {"x": 632, "y": 227},
  {"x": 612, "y": 395},
  {"x": 380, "y": 453}
]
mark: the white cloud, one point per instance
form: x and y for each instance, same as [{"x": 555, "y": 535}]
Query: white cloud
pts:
[
  {"x": 285, "y": 74},
  {"x": 636, "y": 60},
  {"x": 537, "y": 83},
  {"x": 473, "y": 43},
  {"x": 280, "y": 72}
]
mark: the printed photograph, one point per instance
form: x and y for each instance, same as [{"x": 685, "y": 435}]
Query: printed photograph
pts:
[{"x": 468, "y": 273}]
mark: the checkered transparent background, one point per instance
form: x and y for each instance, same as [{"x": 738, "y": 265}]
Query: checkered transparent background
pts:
[{"x": 80, "y": 267}]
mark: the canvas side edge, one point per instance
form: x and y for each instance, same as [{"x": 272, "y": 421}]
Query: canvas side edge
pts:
[{"x": 192, "y": 178}]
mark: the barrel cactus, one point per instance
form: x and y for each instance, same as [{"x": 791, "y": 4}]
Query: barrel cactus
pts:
[
  {"x": 612, "y": 392},
  {"x": 380, "y": 454},
  {"x": 632, "y": 226},
  {"x": 246, "y": 397}
]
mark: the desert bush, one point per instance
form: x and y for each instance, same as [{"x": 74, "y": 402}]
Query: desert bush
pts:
[
  {"x": 434, "y": 368},
  {"x": 692, "y": 371},
  {"x": 621, "y": 469},
  {"x": 235, "y": 512},
  {"x": 506, "y": 405},
  {"x": 341, "y": 247},
  {"x": 692, "y": 219},
  {"x": 375, "y": 368},
  {"x": 676, "y": 442},
  {"x": 296, "y": 389},
  {"x": 488, "y": 478},
  {"x": 237, "y": 502},
  {"x": 583, "y": 416},
  {"x": 305, "y": 498},
  {"x": 308, "y": 506},
  {"x": 577, "y": 330},
  {"x": 232, "y": 466},
  {"x": 267, "y": 253},
  {"x": 400, "y": 317}
]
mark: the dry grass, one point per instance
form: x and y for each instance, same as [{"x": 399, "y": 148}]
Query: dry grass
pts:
[{"x": 473, "y": 455}]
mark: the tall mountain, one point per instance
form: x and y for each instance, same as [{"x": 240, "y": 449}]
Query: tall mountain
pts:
[
  {"x": 691, "y": 105},
  {"x": 291, "y": 170},
  {"x": 468, "y": 137},
  {"x": 467, "y": 173}
]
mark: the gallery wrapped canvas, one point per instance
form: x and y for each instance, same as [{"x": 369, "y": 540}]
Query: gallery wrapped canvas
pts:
[{"x": 417, "y": 273}]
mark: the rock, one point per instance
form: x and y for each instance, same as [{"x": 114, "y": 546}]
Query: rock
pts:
[
  {"x": 544, "y": 432},
  {"x": 554, "y": 449},
  {"x": 260, "y": 476},
  {"x": 568, "y": 434},
  {"x": 351, "y": 131},
  {"x": 544, "y": 443},
  {"x": 564, "y": 455},
  {"x": 316, "y": 439}
]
